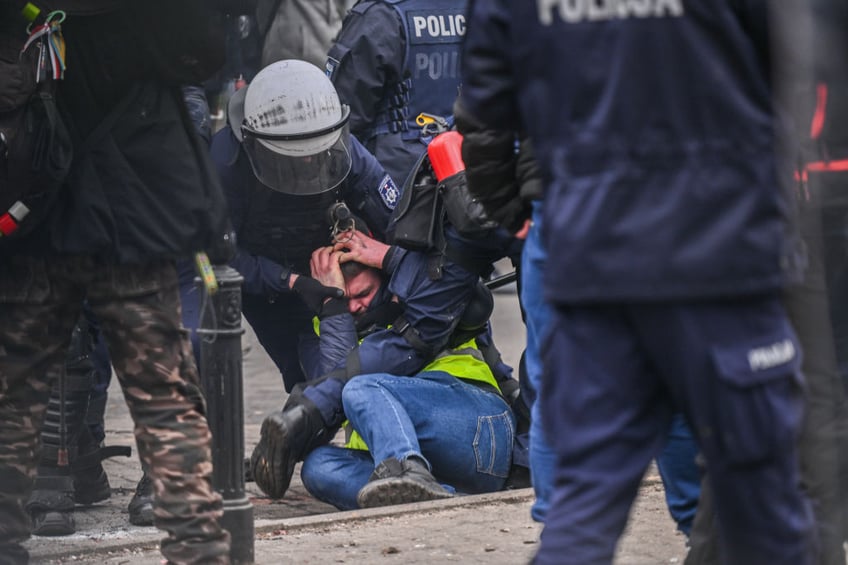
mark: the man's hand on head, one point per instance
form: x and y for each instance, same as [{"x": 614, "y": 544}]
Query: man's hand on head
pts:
[
  {"x": 362, "y": 249},
  {"x": 325, "y": 268}
]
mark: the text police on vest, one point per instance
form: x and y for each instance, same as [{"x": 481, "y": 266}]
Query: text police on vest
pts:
[
  {"x": 439, "y": 65},
  {"x": 445, "y": 25},
  {"x": 576, "y": 11}
]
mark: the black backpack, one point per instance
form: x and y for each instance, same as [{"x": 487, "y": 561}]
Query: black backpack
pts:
[
  {"x": 185, "y": 47},
  {"x": 35, "y": 148}
]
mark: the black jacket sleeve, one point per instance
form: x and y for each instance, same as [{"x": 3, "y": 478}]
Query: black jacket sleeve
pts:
[
  {"x": 503, "y": 180},
  {"x": 487, "y": 116},
  {"x": 366, "y": 58}
]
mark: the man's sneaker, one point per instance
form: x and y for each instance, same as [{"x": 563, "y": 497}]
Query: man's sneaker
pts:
[
  {"x": 285, "y": 438},
  {"x": 141, "y": 505},
  {"x": 400, "y": 482}
]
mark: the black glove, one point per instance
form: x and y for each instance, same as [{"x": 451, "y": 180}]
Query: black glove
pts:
[{"x": 314, "y": 294}]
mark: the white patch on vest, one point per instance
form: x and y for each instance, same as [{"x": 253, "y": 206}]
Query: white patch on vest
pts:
[
  {"x": 771, "y": 355},
  {"x": 389, "y": 192},
  {"x": 443, "y": 25},
  {"x": 577, "y": 11}
]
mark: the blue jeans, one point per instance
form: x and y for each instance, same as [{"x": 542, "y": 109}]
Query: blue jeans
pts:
[
  {"x": 680, "y": 474},
  {"x": 537, "y": 319},
  {"x": 676, "y": 463},
  {"x": 463, "y": 432}
]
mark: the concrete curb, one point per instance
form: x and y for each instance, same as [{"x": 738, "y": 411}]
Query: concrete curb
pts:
[
  {"x": 321, "y": 520},
  {"x": 148, "y": 538},
  {"x": 135, "y": 539}
]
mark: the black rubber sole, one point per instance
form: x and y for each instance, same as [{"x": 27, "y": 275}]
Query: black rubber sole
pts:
[
  {"x": 141, "y": 511},
  {"x": 398, "y": 490},
  {"x": 53, "y": 524},
  {"x": 272, "y": 463}
]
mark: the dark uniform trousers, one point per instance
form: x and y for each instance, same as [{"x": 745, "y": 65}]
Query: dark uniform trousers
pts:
[
  {"x": 618, "y": 371},
  {"x": 811, "y": 305},
  {"x": 138, "y": 308}
]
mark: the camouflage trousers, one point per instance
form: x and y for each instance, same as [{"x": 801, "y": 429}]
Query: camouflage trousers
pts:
[{"x": 139, "y": 310}]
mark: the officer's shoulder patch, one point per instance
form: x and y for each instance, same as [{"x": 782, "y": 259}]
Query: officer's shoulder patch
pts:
[
  {"x": 330, "y": 66},
  {"x": 389, "y": 192}
]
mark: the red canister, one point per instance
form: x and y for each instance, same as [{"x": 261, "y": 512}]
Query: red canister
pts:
[{"x": 445, "y": 152}]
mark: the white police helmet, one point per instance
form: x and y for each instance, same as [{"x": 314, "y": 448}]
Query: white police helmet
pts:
[{"x": 295, "y": 129}]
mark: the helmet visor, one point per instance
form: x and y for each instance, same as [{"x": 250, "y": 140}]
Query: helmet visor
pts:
[{"x": 300, "y": 174}]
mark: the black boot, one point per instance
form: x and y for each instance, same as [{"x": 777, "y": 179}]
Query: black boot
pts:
[
  {"x": 400, "y": 482},
  {"x": 91, "y": 484},
  {"x": 51, "y": 505},
  {"x": 286, "y": 437},
  {"x": 70, "y": 470},
  {"x": 141, "y": 505}
]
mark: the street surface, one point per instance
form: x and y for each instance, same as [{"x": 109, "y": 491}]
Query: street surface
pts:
[{"x": 491, "y": 529}]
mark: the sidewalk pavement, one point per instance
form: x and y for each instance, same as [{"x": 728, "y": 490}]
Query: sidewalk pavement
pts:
[{"x": 491, "y": 528}]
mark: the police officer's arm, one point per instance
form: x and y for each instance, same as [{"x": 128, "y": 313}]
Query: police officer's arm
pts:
[
  {"x": 261, "y": 275},
  {"x": 431, "y": 312},
  {"x": 486, "y": 114},
  {"x": 357, "y": 246},
  {"x": 366, "y": 56},
  {"x": 431, "y": 309},
  {"x": 491, "y": 165},
  {"x": 489, "y": 89}
]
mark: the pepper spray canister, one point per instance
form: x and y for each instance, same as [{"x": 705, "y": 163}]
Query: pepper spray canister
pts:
[{"x": 445, "y": 152}]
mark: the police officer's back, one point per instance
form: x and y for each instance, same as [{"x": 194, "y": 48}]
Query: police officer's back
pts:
[
  {"x": 392, "y": 61},
  {"x": 654, "y": 125}
]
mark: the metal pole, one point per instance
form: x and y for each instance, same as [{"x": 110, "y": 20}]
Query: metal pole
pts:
[
  {"x": 220, "y": 368},
  {"x": 502, "y": 280}
]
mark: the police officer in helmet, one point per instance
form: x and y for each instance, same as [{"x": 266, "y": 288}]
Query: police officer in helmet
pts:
[{"x": 292, "y": 173}]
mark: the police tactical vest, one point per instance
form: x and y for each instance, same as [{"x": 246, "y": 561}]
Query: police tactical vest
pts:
[
  {"x": 286, "y": 228},
  {"x": 434, "y": 31}
]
